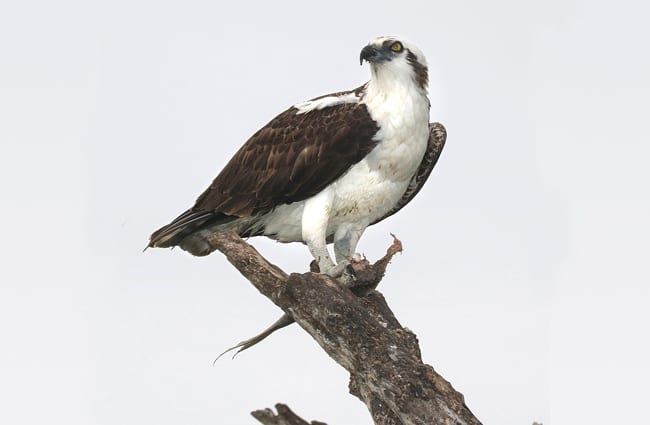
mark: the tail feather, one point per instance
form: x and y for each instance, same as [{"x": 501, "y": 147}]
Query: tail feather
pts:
[{"x": 183, "y": 226}]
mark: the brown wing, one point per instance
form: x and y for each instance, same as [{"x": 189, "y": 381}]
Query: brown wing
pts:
[
  {"x": 291, "y": 159},
  {"x": 437, "y": 139}
]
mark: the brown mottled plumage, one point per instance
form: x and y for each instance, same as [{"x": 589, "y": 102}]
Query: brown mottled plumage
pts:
[{"x": 276, "y": 166}]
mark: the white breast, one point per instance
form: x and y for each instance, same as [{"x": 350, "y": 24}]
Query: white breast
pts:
[{"x": 373, "y": 186}]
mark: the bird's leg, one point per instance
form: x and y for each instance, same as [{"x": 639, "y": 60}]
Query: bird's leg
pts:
[
  {"x": 315, "y": 217},
  {"x": 319, "y": 250},
  {"x": 346, "y": 239}
]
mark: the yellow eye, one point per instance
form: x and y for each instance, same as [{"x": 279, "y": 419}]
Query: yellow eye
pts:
[{"x": 396, "y": 47}]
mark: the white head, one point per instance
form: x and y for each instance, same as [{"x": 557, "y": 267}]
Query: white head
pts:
[{"x": 396, "y": 60}]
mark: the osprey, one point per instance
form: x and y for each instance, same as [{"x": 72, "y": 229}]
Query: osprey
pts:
[{"x": 325, "y": 169}]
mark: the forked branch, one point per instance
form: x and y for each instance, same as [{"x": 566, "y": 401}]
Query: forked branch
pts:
[{"x": 358, "y": 330}]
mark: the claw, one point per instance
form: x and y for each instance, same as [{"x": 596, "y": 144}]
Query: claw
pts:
[
  {"x": 357, "y": 258},
  {"x": 337, "y": 270},
  {"x": 349, "y": 269},
  {"x": 344, "y": 272}
]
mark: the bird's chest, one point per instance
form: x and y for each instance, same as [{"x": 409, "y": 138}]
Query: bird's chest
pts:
[
  {"x": 403, "y": 136},
  {"x": 373, "y": 186}
]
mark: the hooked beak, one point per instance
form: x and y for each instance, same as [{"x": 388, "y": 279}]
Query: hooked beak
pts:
[{"x": 372, "y": 54}]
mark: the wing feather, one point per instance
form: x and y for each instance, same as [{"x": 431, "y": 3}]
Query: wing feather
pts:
[
  {"x": 291, "y": 159},
  {"x": 183, "y": 225}
]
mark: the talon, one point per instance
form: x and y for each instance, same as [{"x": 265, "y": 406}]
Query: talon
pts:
[
  {"x": 347, "y": 281},
  {"x": 349, "y": 269},
  {"x": 357, "y": 258},
  {"x": 344, "y": 272},
  {"x": 337, "y": 270}
]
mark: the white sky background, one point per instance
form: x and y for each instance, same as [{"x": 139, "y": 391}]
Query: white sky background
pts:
[{"x": 525, "y": 270}]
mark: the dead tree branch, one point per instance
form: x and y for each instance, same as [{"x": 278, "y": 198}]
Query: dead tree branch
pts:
[
  {"x": 284, "y": 417},
  {"x": 359, "y": 331}
]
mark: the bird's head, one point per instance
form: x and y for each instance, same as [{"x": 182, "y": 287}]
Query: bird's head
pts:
[{"x": 397, "y": 60}]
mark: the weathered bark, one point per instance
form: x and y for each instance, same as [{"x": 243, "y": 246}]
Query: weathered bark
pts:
[{"x": 358, "y": 330}]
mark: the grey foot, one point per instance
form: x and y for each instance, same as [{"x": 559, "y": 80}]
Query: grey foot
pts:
[
  {"x": 338, "y": 270},
  {"x": 343, "y": 272}
]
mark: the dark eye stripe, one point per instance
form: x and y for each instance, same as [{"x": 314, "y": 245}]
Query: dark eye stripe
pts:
[{"x": 388, "y": 44}]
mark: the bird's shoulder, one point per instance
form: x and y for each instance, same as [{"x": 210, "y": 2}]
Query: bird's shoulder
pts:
[{"x": 293, "y": 157}]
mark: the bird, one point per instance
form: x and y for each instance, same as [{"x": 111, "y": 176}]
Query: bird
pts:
[{"x": 325, "y": 169}]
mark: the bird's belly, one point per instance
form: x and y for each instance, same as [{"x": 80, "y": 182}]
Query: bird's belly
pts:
[
  {"x": 360, "y": 199},
  {"x": 363, "y": 196}
]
